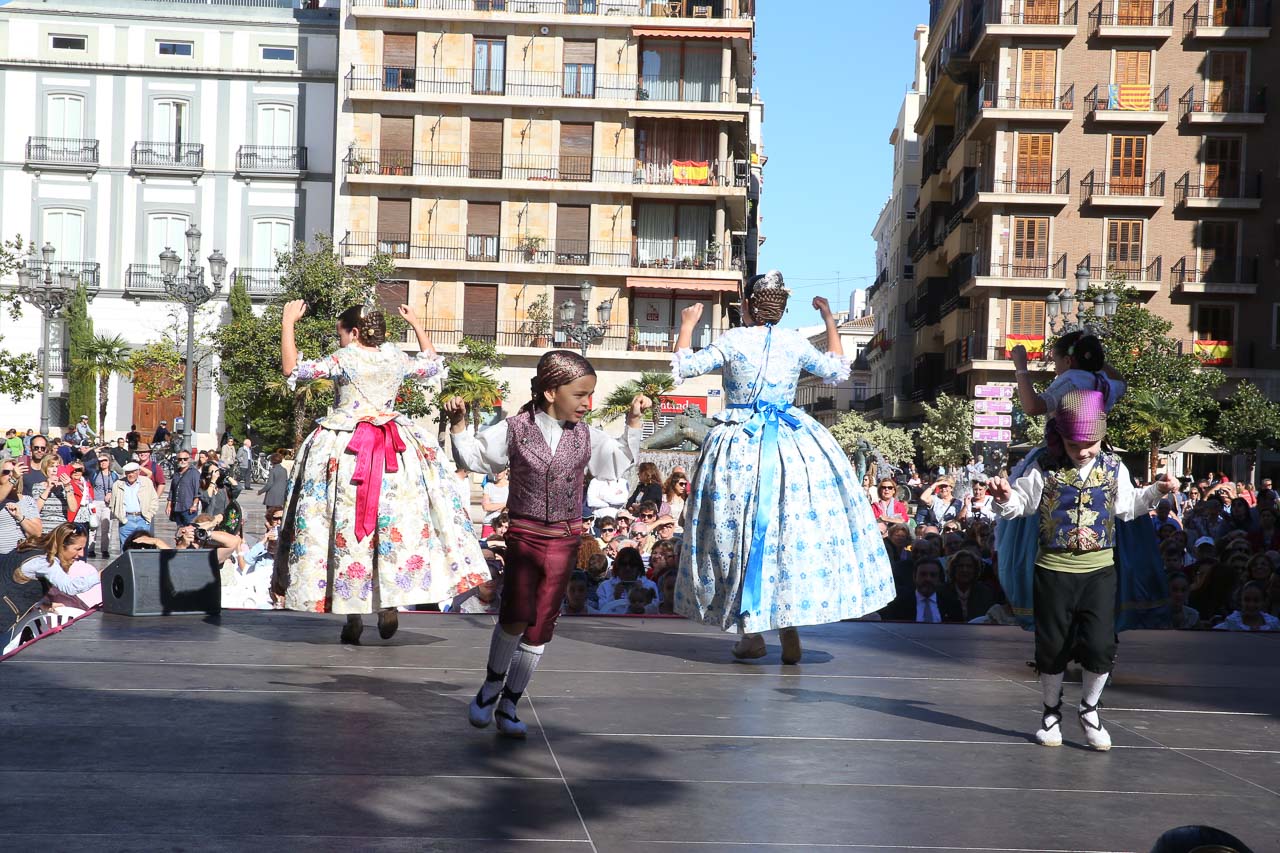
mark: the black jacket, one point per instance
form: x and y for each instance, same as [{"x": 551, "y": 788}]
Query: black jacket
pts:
[{"x": 903, "y": 608}]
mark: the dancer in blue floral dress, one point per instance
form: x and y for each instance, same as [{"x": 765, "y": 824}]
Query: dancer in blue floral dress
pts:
[{"x": 779, "y": 533}]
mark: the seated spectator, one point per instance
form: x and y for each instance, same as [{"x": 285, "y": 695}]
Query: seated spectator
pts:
[
  {"x": 647, "y": 515},
  {"x": 254, "y": 567},
  {"x": 1164, "y": 515},
  {"x": 664, "y": 558},
  {"x": 1173, "y": 557},
  {"x": 1183, "y": 615},
  {"x": 627, "y": 572},
  {"x": 1207, "y": 522},
  {"x": 981, "y": 505},
  {"x": 1206, "y": 549},
  {"x": 576, "y": 601},
  {"x": 1251, "y": 616},
  {"x": 923, "y": 603},
  {"x": 667, "y": 594},
  {"x": 1210, "y": 592},
  {"x": 664, "y": 530},
  {"x": 938, "y": 505},
  {"x": 1265, "y": 536},
  {"x": 588, "y": 549},
  {"x": 606, "y": 527},
  {"x": 51, "y": 558},
  {"x": 484, "y": 598},
  {"x": 964, "y": 592},
  {"x": 1240, "y": 516},
  {"x": 897, "y": 540},
  {"x": 886, "y": 507}
]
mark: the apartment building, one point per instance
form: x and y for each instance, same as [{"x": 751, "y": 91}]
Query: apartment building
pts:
[
  {"x": 506, "y": 154},
  {"x": 829, "y": 403},
  {"x": 1124, "y": 138},
  {"x": 128, "y": 121},
  {"x": 889, "y": 354}
]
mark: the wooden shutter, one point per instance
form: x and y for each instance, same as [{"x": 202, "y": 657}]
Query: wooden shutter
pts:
[
  {"x": 486, "y": 149},
  {"x": 1226, "y": 80},
  {"x": 579, "y": 53},
  {"x": 395, "y": 154},
  {"x": 1030, "y": 246},
  {"x": 1040, "y": 11},
  {"x": 1026, "y": 317},
  {"x": 1230, "y": 13},
  {"x": 1133, "y": 67},
  {"x": 393, "y": 216},
  {"x": 573, "y": 234},
  {"x": 1037, "y": 78},
  {"x": 1124, "y": 246},
  {"x": 575, "y": 152},
  {"x": 1128, "y": 168},
  {"x": 1218, "y": 250},
  {"x": 1136, "y": 13},
  {"x": 480, "y": 311},
  {"x": 393, "y": 294},
  {"x": 400, "y": 49},
  {"x": 483, "y": 218},
  {"x": 1222, "y": 167},
  {"x": 1035, "y": 163}
]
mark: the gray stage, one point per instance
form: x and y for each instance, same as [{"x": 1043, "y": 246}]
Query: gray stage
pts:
[{"x": 259, "y": 732}]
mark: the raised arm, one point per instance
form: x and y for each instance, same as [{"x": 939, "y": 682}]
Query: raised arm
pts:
[
  {"x": 293, "y": 312},
  {"x": 424, "y": 341},
  {"x": 823, "y": 307},
  {"x": 1030, "y": 401}
]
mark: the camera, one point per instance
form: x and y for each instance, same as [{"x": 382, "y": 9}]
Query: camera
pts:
[{"x": 201, "y": 536}]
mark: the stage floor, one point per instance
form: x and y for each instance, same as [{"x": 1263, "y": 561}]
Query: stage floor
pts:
[{"x": 259, "y": 732}]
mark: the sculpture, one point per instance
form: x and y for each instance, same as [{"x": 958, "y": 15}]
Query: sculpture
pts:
[{"x": 691, "y": 425}]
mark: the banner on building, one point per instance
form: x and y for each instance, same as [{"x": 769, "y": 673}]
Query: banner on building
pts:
[
  {"x": 696, "y": 172},
  {"x": 1214, "y": 353},
  {"x": 1129, "y": 96},
  {"x": 1033, "y": 343}
]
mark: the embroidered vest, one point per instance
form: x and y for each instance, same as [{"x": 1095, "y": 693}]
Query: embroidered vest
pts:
[
  {"x": 544, "y": 487},
  {"x": 1079, "y": 515}
]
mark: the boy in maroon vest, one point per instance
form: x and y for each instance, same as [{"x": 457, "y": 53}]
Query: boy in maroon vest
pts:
[{"x": 548, "y": 449}]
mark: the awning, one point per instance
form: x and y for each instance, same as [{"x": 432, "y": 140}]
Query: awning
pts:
[
  {"x": 666, "y": 32},
  {"x": 700, "y": 285},
  {"x": 683, "y": 116},
  {"x": 1195, "y": 444}
]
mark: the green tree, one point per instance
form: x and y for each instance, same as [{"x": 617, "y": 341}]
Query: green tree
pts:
[
  {"x": 80, "y": 385},
  {"x": 1249, "y": 421},
  {"x": 654, "y": 384},
  {"x": 1160, "y": 418},
  {"x": 156, "y": 369},
  {"x": 897, "y": 446},
  {"x": 105, "y": 356},
  {"x": 19, "y": 372},
  {"x": 248, "y": 346},
  {"x": 946, "y": 436},
  {"x": 473, "y": 381},
  {"x": 238, "y": 300}
]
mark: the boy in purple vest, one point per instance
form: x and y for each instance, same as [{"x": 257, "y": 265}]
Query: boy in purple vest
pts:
[
  {"x": 1078, "y": 492},
  {"x": 548, "y": 449}
]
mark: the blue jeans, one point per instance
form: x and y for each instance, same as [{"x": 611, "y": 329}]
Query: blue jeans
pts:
[
  {"x": 132, "y": 524},
  {"x": 182, "y": 518}
]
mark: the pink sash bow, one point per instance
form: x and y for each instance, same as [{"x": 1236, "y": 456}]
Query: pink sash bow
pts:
[{"x": 376, "y": 448}]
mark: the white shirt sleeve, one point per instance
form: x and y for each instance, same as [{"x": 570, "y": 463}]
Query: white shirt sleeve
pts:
[
  {"x": 1132, "y": 503},
  {"x": 485, "y": 453},
  {"x": 1026, "y": 491},
  {"x": 611, "y": 457},
  {"x": 1024, "y": 494},
  {"x": 62, "y": 581}
]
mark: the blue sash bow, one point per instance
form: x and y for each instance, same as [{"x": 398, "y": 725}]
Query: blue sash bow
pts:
[{"x": 766, "y": 416}]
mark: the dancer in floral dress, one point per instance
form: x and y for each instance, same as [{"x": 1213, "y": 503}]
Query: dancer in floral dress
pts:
[
  {"x": 372, "y": 521},
  {"x": 778, "y": 530}
]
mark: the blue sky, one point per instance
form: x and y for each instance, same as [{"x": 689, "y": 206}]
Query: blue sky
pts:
[{"x": 832, "y": 74}]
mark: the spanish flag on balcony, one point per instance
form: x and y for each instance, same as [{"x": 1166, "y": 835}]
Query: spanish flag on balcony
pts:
[
  {"x": 697, "y": 172},
  {"x": 1214, "y": 353},
  {"x": 1033, "y": 343},
  {"x": 1129, "y": 96}
]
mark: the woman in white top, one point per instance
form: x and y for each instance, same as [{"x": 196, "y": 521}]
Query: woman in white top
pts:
[
  {"x": 1250, "y": 616},
  {"x": 57, "y": 557},
  {"x": 493, "y": 500}
]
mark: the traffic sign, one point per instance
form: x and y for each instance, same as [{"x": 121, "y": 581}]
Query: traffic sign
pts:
[
  {"x": 993, "y": 407},
  {"x": 1000, "y": 435},
  {"x": 992, "y": 421},
  {"x": 999, "y": 392}
]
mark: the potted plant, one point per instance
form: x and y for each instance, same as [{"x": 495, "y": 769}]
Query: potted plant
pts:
[
  {"x": 537, "y": 318},
  {"x": 712, "y": 255},
  {"x": 530, "y": 246}
]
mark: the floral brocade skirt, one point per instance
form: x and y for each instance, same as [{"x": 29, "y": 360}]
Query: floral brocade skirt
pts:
[{"x": 423, "y": 549}]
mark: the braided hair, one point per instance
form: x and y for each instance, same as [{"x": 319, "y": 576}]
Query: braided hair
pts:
[
  {"x": 766, "y": 295},
  {"x": 555, "y": 368},
  {"x": 369, "y": 321}
]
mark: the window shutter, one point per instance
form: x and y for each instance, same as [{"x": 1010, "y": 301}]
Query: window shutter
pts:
[
  {"x": 579, "y": 53},
  {"x": 1037, "y": 78},
  {"x": 1128, "y": 164},
  {"x": 1026, "y": 317},
  {"x": 483, "y": 218},
  {"x": 1124, "y": 245},
  {"x": 1035, "y": 162},
  {"x": 1041, "y": 12},
  {"x": 575, "y": 152},
  {"x": 400, "y": 49},
  {"x": 573, "y": 234},
  {"x": 486, "y": 149},
  {"x": 1218, "y": 250},
  {"x": 1136, "y": 13},
  {"x": 1222, "y": 167},
  {"x": 1226, "y": 80},
  {"x": 480, "y": 311},
  {"x": 1133, "y": 67},
  {"x": 395, "y": 154},
  {"x": 1031, "y": 239},
  {"x": 393, "y": 217}
]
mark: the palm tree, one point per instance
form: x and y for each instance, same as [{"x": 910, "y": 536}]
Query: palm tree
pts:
[
  {"x": 654, "y": 384},
  {"x": 102, "y": 357},
  {"x": 474, "y": 383},
  {"x": 1156, "y": 415},
  {"x": 304, "y": 398}
]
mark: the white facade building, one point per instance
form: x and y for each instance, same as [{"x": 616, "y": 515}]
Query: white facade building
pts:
[
  {"x": 126, "y": 121},
  {"x": 890, "y": 351},
  {"x": 828, "y": 403}
]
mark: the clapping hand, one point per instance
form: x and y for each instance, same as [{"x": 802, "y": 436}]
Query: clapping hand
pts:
[
  {"x": 1166, "y": 484},
  {"x": 294, "y": 311},
  {"x": 1019, "y": 356},
  {"x": 639, "y": 405}
]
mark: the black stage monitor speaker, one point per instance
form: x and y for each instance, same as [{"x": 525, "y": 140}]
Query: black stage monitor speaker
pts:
[{"x": 162, "y": 583}]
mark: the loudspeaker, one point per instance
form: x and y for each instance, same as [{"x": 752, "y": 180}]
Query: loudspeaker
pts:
[{"x": 162, "y": 583}]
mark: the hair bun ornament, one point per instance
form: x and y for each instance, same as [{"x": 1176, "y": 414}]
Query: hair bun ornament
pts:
[{"x": 772, "y": 280}]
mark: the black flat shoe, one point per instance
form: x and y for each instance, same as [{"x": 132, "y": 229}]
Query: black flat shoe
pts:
[
  {"x": 352, "y": 630},
  {"x": 388, "y": 623}
]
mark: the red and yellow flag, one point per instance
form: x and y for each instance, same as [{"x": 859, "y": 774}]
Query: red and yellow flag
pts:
[
  {"x": 1033, "y": 343},
  {"x": 697, "y": 172},
  {"x": 1214, "y": 353},
  {"x": 1129, "y": 96}
]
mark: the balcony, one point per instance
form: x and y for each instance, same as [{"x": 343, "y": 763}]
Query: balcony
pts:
[
  {"x": 1113, "y": 102},
  {"x": 1033, "y": 190},
  {"x": 1026, "y": 104},
  {"x": 1228, "y": 21},
  {"x": 491, "y": 249},
  {"x": 1224, "y": 277},
  {"x": 1220, "y": 194},
  {"x": 54, "y": 154},
  {"x": 454, "y": 166},
  {"x": 1217, "y": 352},
  {"x": 270, "y": 161},
  {"x": 536, "y": 85},
  {"x": 1146, "y": 278},
  {"x": 937, "y": 145},
  {"x": 88, "y": 273},
  {"x": 1122, "y": 21},
  {"x": 930, "y": 229},
  {"x": 1041, "y": 274},
  {"x": 259, "y": 282},
  {"x": 168, "y": 158},
  {"x": 1005, "y": 23},
  {"x": 975, "y": 352},
  {"x": 59, "y": 360},
  {"x": 1230, "y": 106},
  {"x": 609, "y": 11},
  {"x": 1101, "y": 190},
  {"x": 145, "y": 280},
  {"x": 514, "y": 334}
]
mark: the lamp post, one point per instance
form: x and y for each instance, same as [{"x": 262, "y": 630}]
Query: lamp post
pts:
[
  {"x": 1065, "y": 310},
  {"x": 38, "y": 287},
  {"x": 192, "y": 292},
  {"x": 582, "y": 332}
]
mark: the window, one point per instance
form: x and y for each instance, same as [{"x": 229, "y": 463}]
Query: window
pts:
[
  {"x": 1041, "y": 12},
  {"x": 489, "y": 67},
  {"x": 270, "y": 237},
  {"x": 1219, "y": 242},
  {"x": 483, "y": 227},
  {"x": 1038, "y": 67},
  {"x": 64, "y": 117},
  {"x": 399, "y": 61},
  {"x": 672, "y": 236},
  {"x": 480, "y": 311},
  {"x": 1128, "y": 168},
  {"x": 65, "y": 230},
  {"x": 908, "y": 272},
  {"x": 1275, "y": 325},
  {"x": 1124, "y": 247},
  {"x": 1136, "y": 13},
  {"x": 67, "y": 42},
  {"x": 166, "y": 231},
  {"x": 1030, "y": 247},
  {"x": 279, "y": 54},
  {"x": 169, "y": 121},
  {"x": 275, "y": 126},
  {"x": 675, "y": 70},
  {"x": 1133, "y": 68},
  {"x": 394, "y": 225},
  {"x": 1225, "y": 81},
  {"x": 1026, "y": 318},
  {"x": 175, "y": 48},
  {"x": 1215, "y": 331},
  {"x": 1035, "y": 163},
  {"x": 579, "y": 69},
  {"x": 485, "y": 152},
  {"x": 1221, "y": 156}
]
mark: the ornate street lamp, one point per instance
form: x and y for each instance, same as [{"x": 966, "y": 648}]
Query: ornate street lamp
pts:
[
  {"x": 582, "y": 332},
  {"x": 1066, "y": 310},
  {"x": 192, "y": 292},
  {"x": 37, "y": 286}
]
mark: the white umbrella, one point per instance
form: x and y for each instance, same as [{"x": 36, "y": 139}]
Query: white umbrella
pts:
[{"x": 1196, "y": 444}]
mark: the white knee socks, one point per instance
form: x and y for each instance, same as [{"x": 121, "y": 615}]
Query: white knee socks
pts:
[
  {"x": 1051, "y": 688},
  {"x": 501, "y": 647},
  {"x": 523, "y": 663},
  {"x": 1091, "y": 692}
]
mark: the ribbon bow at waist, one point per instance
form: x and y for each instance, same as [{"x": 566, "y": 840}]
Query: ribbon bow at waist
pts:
[
  {"x": 767, "y": 416},
  {"x": 377, "y": 448}
]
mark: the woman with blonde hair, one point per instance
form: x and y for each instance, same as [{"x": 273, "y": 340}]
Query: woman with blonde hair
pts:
[{"x": 57, "y": 557}]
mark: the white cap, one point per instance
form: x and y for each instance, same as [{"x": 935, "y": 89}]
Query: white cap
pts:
[{"x": 132, "y": 466}]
